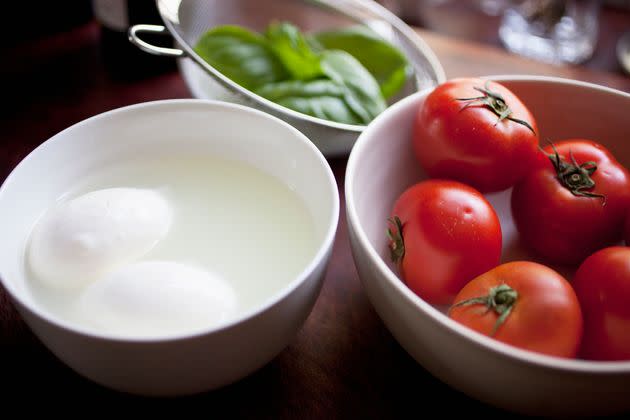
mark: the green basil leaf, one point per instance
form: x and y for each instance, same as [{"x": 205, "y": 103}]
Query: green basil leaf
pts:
[
  {"x": 240, "y": 55},
  {"x": 385, "y": 62},
  {"x": 363, "y": 94},
  {"x": 294, "y": 52},
  {"x": 282, "y": 67},
  {"x": 319, "y": 98}
]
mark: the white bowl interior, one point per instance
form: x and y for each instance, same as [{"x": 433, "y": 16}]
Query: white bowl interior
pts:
[
  {"x": 165, "y": 128},
  {"x": 382, "y": 165}
]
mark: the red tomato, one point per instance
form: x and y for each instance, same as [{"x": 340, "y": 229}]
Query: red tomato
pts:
[
  {"x": 448, "y": 234},
  {"x": 627, "y": 230},
  {"x": 565, "y": 211},
  {"x": 525, "y": 304},
  {"x": 602, "y": 284},
  {"x": 459, "y": 134}
]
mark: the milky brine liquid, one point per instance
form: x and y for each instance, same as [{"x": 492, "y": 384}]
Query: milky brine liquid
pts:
[{"x": 229, "y": 218}]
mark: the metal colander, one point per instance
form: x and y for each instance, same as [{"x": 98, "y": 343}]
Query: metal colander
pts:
[{"x": 187, "y": 20}]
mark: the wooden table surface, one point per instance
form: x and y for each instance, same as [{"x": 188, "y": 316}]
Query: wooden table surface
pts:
[{"x": 342, "y": 364}]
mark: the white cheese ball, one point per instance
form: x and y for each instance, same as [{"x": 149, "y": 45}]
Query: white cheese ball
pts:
[
  {"x": 84, "y": 238},
  {"x": 156, "y": 298}
]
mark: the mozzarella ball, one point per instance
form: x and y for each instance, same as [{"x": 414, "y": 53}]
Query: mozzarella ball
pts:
[
  {"x": 157, "y": 298},
  {"x": 82, "y": 239}
]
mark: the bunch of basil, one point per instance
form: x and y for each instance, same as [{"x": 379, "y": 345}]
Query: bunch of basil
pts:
[{"x": 344, "y": 75}]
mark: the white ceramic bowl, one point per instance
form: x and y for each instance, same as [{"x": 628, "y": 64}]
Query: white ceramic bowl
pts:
[
  {"x": 187, "y": 363},
  {"x": 382, "y": 165}
]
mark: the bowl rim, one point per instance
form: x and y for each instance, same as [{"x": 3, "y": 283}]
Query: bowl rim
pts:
[
  {"x": 318, "y": 257},
  {"x": 386, "y": 274},
  {"x": 170, "y": 19}
]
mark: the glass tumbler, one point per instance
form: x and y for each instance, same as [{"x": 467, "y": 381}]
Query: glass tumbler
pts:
[{"x": 553, "y": 31}]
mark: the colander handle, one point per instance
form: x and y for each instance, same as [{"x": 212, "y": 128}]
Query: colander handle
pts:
[{"x": 135, "y": 39}]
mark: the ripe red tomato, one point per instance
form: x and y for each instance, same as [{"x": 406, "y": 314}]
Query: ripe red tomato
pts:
[
  {"x": 525, "y": 304},
  {"x": 573, "y": 203},
  {"x": 626, "y": 235},
  {"x": 443, "y": 233},
  {"x": 476, "y": 132},
  {"x": 602, "y": 284}
]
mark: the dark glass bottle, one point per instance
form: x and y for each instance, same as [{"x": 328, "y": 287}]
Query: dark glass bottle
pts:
[{"x": 123, "y": 60}]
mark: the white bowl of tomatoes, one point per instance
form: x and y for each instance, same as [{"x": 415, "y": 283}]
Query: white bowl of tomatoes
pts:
[{"x": 487, "y": 221}]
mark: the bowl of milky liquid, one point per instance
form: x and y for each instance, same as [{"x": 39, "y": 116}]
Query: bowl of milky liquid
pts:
[{"x": 169, "y": 247}]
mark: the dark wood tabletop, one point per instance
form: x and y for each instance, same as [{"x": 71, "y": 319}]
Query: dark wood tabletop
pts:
[{"x": 343, "y": 363}]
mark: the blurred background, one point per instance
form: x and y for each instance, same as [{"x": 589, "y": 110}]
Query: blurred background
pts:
[
  {"x": 480, "y": 21},
  {"x": 469, "y": 20}
]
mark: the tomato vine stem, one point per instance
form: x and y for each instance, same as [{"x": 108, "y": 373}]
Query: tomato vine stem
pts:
[
  {"x": 397, "y": 243},
  {"x": 496, "y": 103},
  {"x": 501, "y": 299},
  {"x": 575, "y": 177}
]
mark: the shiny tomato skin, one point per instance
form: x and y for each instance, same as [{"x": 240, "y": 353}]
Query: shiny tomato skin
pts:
[
  {"x": 602, "y": 284},
  {"x": 451, "y": 234},
  {"x": 564, "y": 228},
  {"x": 471, "y": 145},
  {"x": 545, "y": 319}
]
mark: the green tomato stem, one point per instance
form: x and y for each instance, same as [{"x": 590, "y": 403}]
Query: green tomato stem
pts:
[
  {"x": 500, "y": 299},
  {"x": 496, "y": 103},
  {"x": 396, "y": 241},
  {"x": 575, "y": 177}
]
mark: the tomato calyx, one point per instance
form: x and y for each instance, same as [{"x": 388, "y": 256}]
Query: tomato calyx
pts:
[
  {"x": 396, "y": 241},
  {"x": 496, "y": 103},
  {"x": 500, "y": 299},
  {"x": 575, "y": 177}
]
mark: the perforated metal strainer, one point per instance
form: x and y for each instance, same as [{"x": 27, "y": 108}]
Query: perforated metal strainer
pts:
[{"x": 187, "y": 20}]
